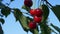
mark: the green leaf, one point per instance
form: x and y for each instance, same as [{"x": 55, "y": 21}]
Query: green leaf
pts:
[
  {"x": 45, "y": 12},
  {"x": 44, "y": 28},
  {"x": 1, "y": 30},
  {"x": 24, "y": 22},
  {"x": 22, "y": 19},
  {"x": 2, "y": 20},
  {"x": 26, "y": 8},
  {"x": 5, "y": 11},
  {"x": 56, "y": 10},
  {"x": 35, "y": 31},
  {"x": 17, "y": 14},
  {"x": 30, "y": 19},
  {"x": 57, "y": 28}
]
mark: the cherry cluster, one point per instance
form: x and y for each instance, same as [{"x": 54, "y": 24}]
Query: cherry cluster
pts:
[
  {"x": 37, "y": 17},
  {"x": 36, "y": 13}
]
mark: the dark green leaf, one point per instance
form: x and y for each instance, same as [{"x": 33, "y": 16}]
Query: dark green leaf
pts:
[
  {"x": 12, "y": 0},
  {"x": 2, "y": 5},
  {"x": 43, "y": 25},
  {"x": 44, "y": 28},
  {"x": 56, "y": 10},
  {"x": 26, "y": 8},
  {"x": 2, "y": 20},
  {"x": 57, "y": 28},
  {"x": 45, "y": 12},
  {"x": 17, "y": 14},
  {"x": 5, "y": 11},
  {"x": 1, "y": 0},
  {"x": 1, "y": 31}
]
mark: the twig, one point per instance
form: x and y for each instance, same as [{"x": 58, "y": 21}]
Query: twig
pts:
[{"x": 48, "y": 3}]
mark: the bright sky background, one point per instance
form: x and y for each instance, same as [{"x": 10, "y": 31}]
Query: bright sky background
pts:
[{"x": 12, "y": 27}]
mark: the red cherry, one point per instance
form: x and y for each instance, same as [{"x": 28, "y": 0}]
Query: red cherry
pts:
[
  {"x": 28, "y": 3},
  {"x": 37, "y": 19},
  {"x": 32, "y": 25},
  {"x": 32, "y": 12},
  {"x": 38, "y": 12}
]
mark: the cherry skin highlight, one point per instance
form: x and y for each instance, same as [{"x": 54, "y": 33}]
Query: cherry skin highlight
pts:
[
  {"x": 32, "y": 12},
  {"x": 37, "y": 19},
  {"x": 38, "y": 12}
]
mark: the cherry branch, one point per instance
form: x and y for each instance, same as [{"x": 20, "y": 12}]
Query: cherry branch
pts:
[{"x": 48, "y": 3}]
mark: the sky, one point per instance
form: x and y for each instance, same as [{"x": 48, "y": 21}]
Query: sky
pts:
[{"x": 12, "y": 27}]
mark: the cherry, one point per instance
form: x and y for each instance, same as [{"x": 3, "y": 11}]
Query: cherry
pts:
[
  {"x": 37, "y": 19},
  {"x": 28, "y": 3},
  {"x": 38, "y": 12},
  {"x": 32, "y": 12},
  {"x": 32, "y": 25}
]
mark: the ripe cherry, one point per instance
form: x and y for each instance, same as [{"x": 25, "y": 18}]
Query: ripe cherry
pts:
[
  {"x": 38, "y": 12},
  {"x": 37, "y": 19},
  {"x": 32, "y": 25},
  {"x": 32, "y": 12},
  {"x": 28, "y": 3}
]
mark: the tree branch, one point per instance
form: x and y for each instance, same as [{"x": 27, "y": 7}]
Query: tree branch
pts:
[{"x": 48, "y": 3}]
